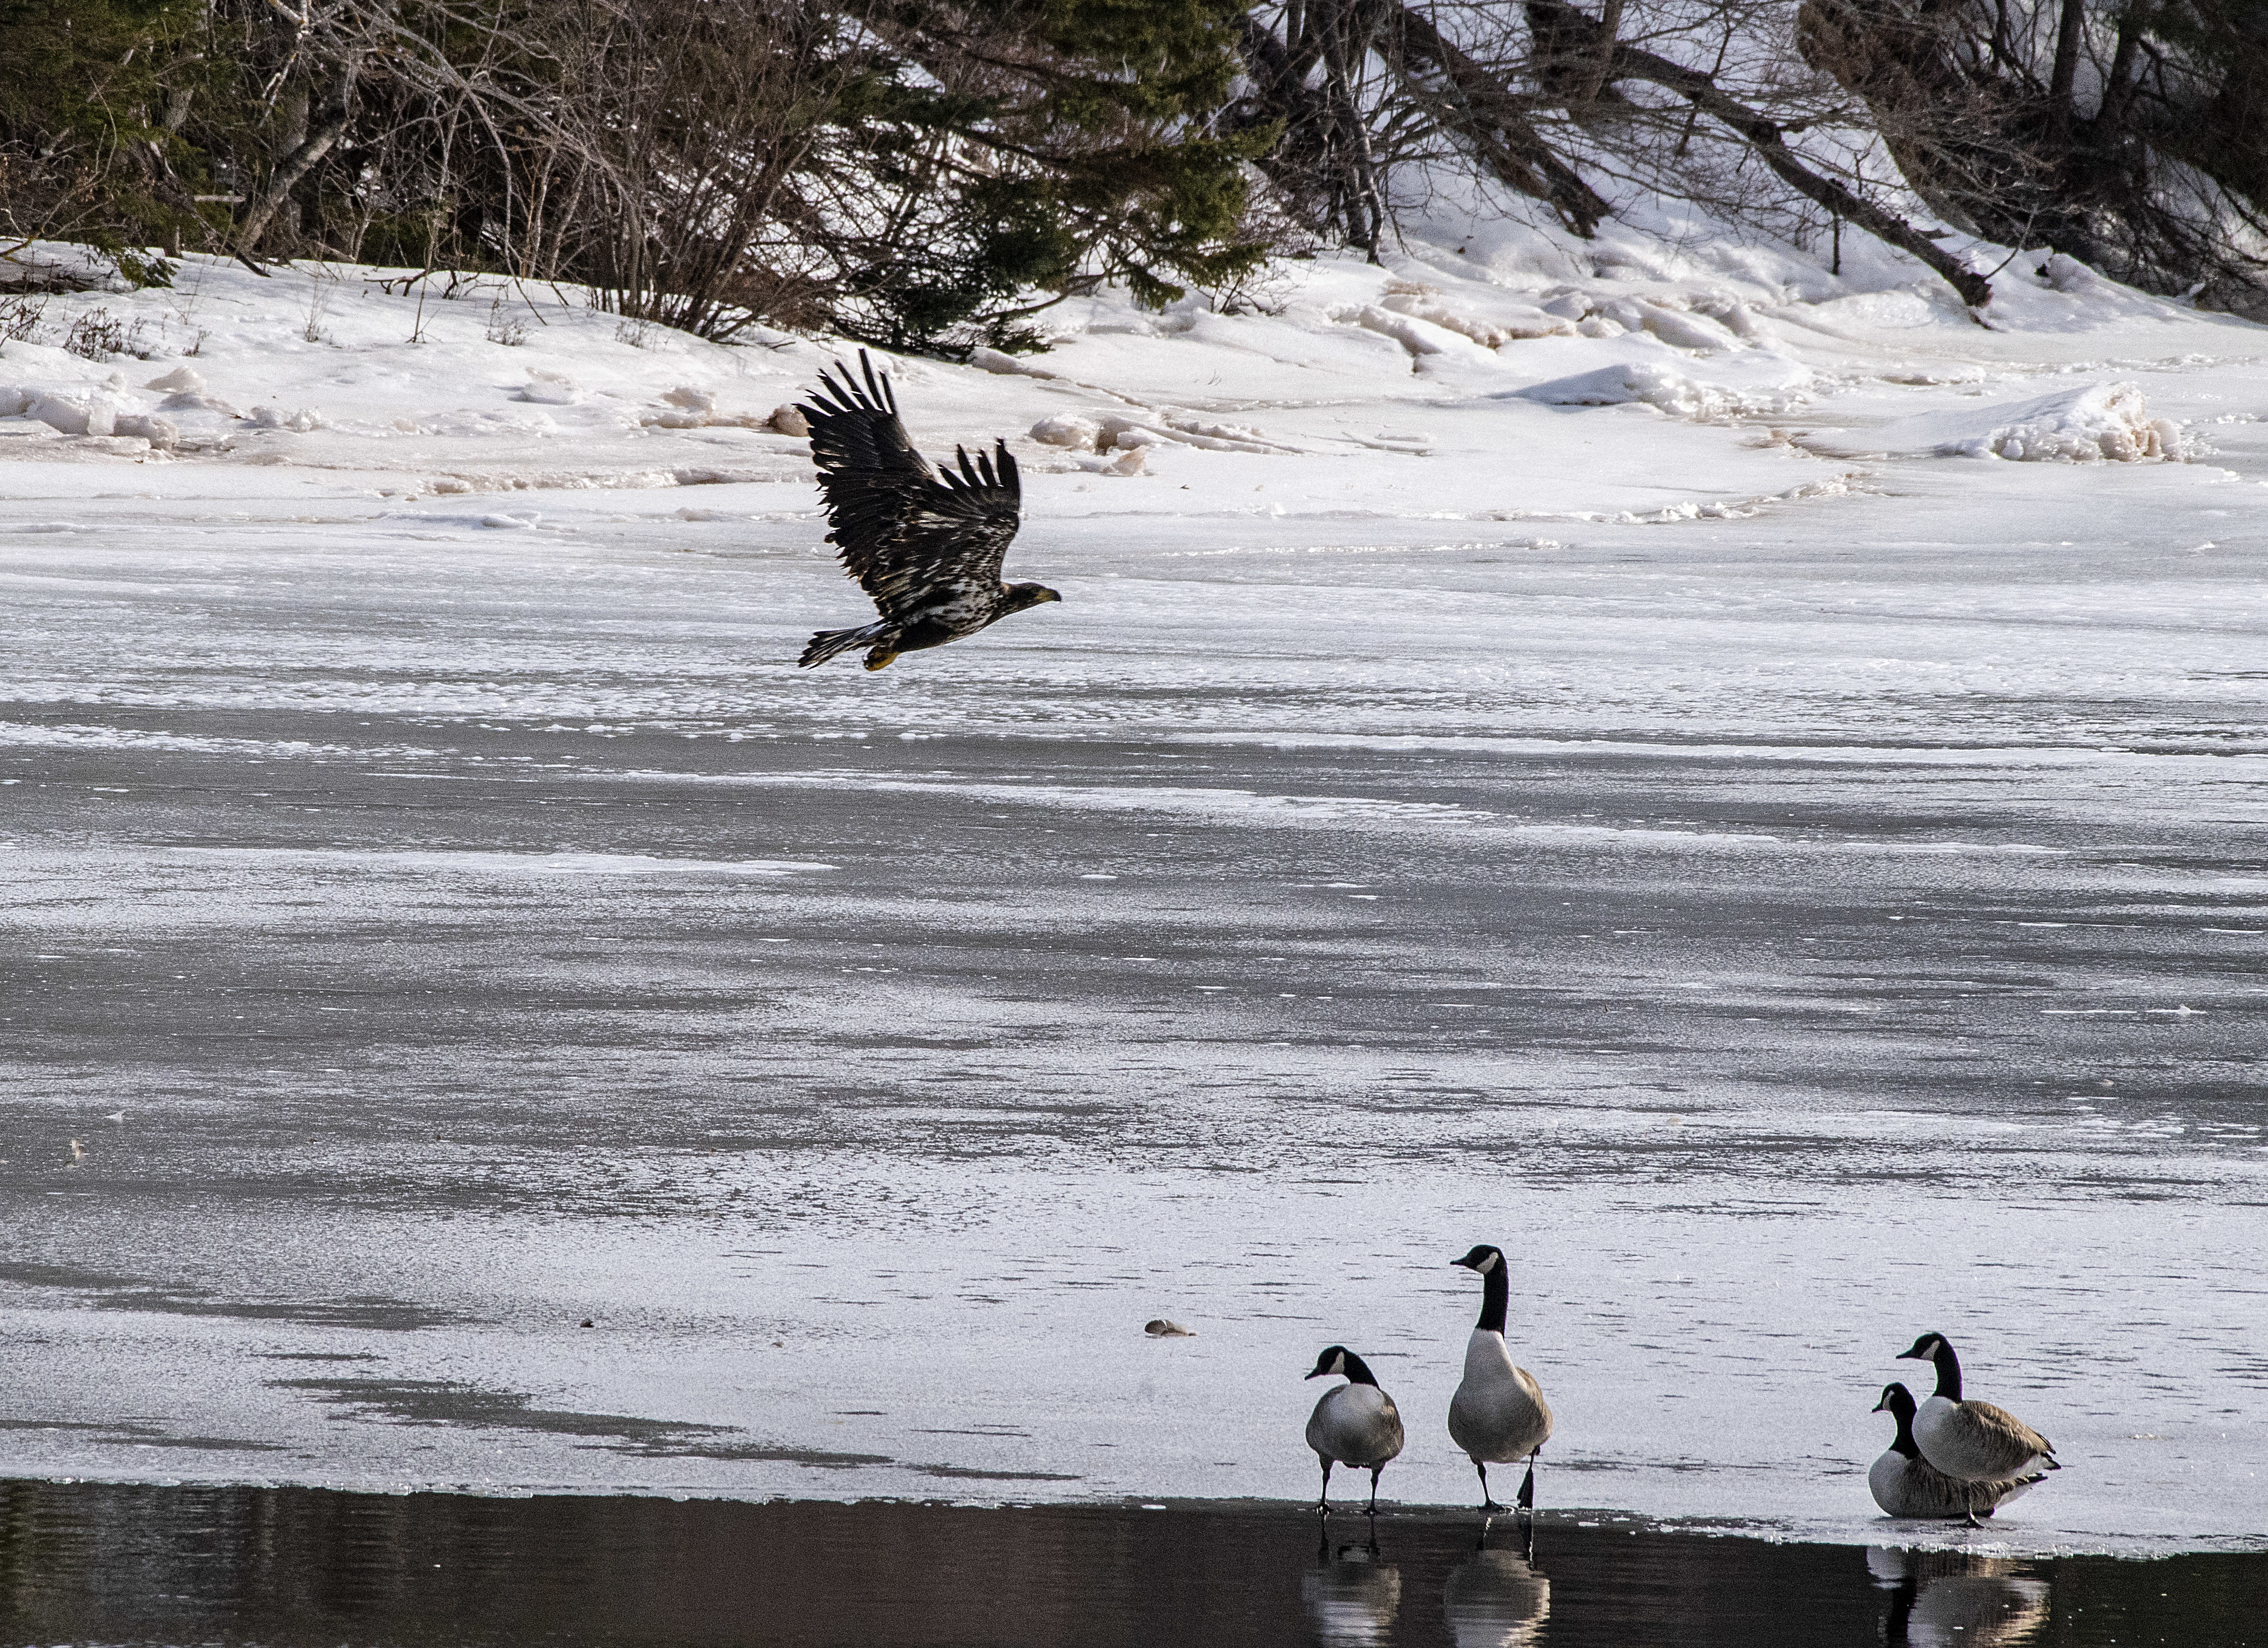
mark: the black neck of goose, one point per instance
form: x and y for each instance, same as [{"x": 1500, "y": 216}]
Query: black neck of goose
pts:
[
  {"x": 1496, "y": 1293},
  {"x": 1948, "y": 1372},
  {"x": 1903, "y": 1442},
  {"x": 1358, "y": 1371}
]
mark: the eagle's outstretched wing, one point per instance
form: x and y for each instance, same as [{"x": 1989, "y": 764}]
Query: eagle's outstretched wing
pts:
[{"x": 914, "y": 538}]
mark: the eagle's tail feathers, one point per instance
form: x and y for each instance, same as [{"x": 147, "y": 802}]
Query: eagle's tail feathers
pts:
[{"x": 828, "y": 643}]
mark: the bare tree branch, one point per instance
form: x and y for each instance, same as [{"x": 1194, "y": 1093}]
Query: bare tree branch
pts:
[{"x": 1477, "y": 106}]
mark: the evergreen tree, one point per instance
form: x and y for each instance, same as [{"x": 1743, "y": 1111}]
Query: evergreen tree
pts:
[{"x": 82, "y": 137}]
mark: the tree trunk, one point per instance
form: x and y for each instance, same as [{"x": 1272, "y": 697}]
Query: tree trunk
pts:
[
  {"x": 328, "y": 126},
  {"x": 2065, "y": 74}
]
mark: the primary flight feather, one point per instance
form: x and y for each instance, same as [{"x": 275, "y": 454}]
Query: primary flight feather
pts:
[{"x": 926, "y": 545}]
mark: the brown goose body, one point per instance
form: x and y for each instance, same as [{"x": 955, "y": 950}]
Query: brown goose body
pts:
[{"x": 1968, "y": 1440}]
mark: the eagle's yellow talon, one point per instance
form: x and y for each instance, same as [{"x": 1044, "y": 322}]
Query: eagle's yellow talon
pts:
[{"x": 878, "y": 659}]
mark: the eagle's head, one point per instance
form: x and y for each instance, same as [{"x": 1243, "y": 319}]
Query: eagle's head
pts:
[{"x": 1022, "y": 595}]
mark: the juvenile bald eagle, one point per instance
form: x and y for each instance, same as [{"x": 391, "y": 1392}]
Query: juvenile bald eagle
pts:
[{"x": 927, "y": 546}]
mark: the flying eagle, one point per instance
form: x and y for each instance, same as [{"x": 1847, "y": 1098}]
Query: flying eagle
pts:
[{"x": 926, "y": 545}]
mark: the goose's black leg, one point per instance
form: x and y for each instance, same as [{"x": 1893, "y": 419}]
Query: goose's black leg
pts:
[
  {"x": 1527, "y": 1486},
  {"x": 1323, "y": 1500},
  {"x": 1487, "y": 1504},
  {"x": 1375, "y": 1471}
]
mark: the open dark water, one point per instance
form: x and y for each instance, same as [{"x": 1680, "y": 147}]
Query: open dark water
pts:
[{"x": 87, "y": 1563}]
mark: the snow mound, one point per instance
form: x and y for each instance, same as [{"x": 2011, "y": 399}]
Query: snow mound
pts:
[
  {"x": 2100, "y": 422},
  {"x": 1114, "y": 432},
  {"x": 299, "y": 421},
  {"x": 1418, "y": 334},
  {"x": 551, "y": 388},
  {"x": 1644, "y": 383},
  {"x": 1508, "y": 321},
  {"x": 1069, "y": 429}
]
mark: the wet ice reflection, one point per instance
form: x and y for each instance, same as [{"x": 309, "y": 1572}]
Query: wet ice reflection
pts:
[
  {"x": 1498, "y": 1600},
  {"x": 1941, "y": 1599},
  {"x": 298, "y": 1567},
  {"x": 1352, "y": 1596}
]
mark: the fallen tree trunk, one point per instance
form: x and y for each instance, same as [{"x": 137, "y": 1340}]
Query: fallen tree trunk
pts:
[{"x": 1765, "y": 137}]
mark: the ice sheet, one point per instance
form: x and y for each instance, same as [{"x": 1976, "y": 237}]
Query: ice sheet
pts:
[{"x": 1789, "y": 901}]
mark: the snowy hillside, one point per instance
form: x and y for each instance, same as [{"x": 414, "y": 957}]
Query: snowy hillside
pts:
[{"x": 1738, "y": 783}]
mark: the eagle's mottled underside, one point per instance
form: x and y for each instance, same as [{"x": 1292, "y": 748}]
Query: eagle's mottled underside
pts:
[{"x": 926, "y": 545}]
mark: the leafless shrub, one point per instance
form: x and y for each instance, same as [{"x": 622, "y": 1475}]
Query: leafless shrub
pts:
[
  {"x": 504, "y": 327},
  {"x": 2129, "y": 137},
  {"x": 319, "y": 303},
  {"x": 97, "y": 334},
  {"x": 19, "y": 317}
]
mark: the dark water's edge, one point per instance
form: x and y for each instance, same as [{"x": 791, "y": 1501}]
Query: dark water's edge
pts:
[{"x": 95, "y": 1562}]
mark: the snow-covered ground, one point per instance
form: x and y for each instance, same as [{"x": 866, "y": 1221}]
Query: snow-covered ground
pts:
[{"x": 1741, "y": 786}]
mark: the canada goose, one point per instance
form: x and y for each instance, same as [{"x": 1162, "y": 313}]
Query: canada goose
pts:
[
  {"x": 1497, "y": 1414},
  {"x": 1972, "y": 1441},
  {"x": 1356, "y": 1423},
  {"x": 1905, "y": 1484}
]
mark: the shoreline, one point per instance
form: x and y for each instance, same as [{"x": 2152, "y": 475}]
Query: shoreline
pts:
[{"x": 2011, "y": 1538}]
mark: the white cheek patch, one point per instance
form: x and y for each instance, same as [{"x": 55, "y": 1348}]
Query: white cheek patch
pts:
[{"x": 1488, "y": 1264}]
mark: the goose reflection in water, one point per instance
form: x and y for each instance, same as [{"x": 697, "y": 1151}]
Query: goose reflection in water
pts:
[
  {"x": 1942, "y": 1598},
  {"x": 1352, "y": 1596},
  {"x": 1497, "y": 1600}
]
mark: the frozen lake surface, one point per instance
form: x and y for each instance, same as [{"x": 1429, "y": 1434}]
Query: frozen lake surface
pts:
[{"x": 474, "y": 1015}]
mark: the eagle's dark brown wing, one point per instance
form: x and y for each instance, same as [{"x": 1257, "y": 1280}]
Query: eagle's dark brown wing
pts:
[{"x": 918, "y": 541}]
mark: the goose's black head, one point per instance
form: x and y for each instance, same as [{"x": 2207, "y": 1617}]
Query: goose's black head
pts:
[
  {"x": 1487, "y": 1262},
  {"x": 1938, "y": 1349},
  {"x": 1019, "y": 596},
  {"x": 1899, "y": 1403},
  {"x": 1925, "y": 1348},
  {"x": 1338, "y": 1361}
]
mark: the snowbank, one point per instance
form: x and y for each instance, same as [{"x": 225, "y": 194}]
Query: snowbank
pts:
[
  {"x": 2101, "y": 423},
  {"x": 1646, "y": 383},
  {"x": 1440, "y": 385}
]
